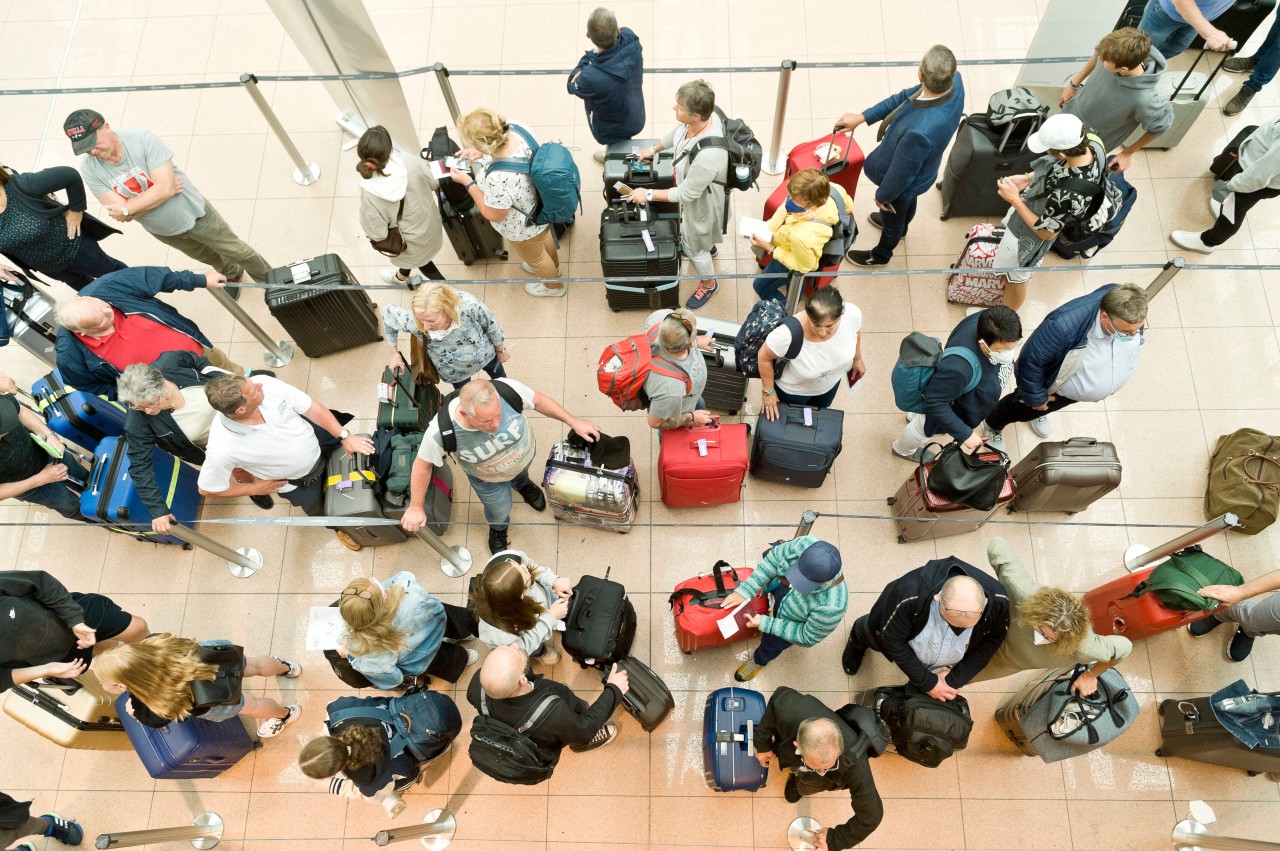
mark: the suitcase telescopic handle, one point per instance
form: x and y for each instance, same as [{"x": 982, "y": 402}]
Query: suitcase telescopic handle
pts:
[
  {"x": 95, "y": 478},
  {"x": 751, "y": 738},
  {"x": 840, "y": 163},
  {"x": 1226, "y": 54}
]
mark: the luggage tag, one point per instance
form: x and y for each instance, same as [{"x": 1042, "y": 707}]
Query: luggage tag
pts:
[
  {"x": 648, "y": 240},
  {"x": 301, "y": 273},
  {"x": 702, "y": 447},
  {"x": 386, "y": 392},
  {"x": 808, "y": 417}
]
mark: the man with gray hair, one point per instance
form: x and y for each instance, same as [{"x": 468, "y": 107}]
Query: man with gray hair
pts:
[
  {"x": 822, "y": 753},
  {"x": 1084, "y": 351},
  {"x": 484, "y": 427},
  {"x": 940, "y": 624},
  {"x": 917, "y": 125},
  {"x": 679, "y": 374},
  {"x": 610, "y": 81}
]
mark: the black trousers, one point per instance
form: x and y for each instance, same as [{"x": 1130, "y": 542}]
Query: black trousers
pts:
[
  {"x": 1223, "y": 229},
  {"x": 1011, "y": 409},
  {"x": 16, "y": 821},
  {"x": 450, "y": 660}
]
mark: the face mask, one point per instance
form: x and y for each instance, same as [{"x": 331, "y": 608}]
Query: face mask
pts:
[
  {"x": 793, "y": 207},
  {"x": 440, "y": 335},
  {"x": 1039, "y": 638},
  {"x": 1001, "y": 358},
  {"x": 1120, "y": 336}
]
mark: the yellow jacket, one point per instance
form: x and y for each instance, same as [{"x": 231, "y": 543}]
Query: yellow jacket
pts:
[{"x": 798, "y": 238}]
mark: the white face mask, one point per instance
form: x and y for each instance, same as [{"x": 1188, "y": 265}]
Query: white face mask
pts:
[
  {"x": 440, "y": 335},
  {"x": 1001, "y": 358},
  {"x": 1039, "y": 638}
]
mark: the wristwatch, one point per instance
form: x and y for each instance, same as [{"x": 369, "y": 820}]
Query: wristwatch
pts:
[
  {"x": 1073, "y": 84},
  {"x": 344, "y": 434},
  {"x": 768, "y": 392},
  {"x": 648, "y": 195},
  {"x": 124, "y": 210}
]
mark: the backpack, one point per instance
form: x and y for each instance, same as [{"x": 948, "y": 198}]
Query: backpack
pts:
[
  {"x": 766, "y": 315},
  {"x": 843, "y": 232},
  {"x": 746, "y": 155},
  {"x": 225, "y": 689},
  {"x": 555, "y": 178},
  {"x": 409, "y": 716},
  {"x": 1121, "y": 206},
  {"x": 506, "y": 753},
  {"x": 1176, "y": 582},
  {"x": 1104, "y": 203},
  {"x": 626, "y": 364},
  {"x": 395, "y": 481},
  {"x": 918, "y": 359},
  {"x": 448, "y": 434},
  {"x": 924, "y": 729},
  {"x": 1007, "y": 105},
  {"x": 865, "y": 722}
]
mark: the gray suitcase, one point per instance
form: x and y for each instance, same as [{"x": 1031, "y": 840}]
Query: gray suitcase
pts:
[
  {"x": 1065, "y": 475},
  {"x": 351, "y": 490},
  {"x": 1189, "y": 729},
  {"x": 1189, "y": 93},
  {"x": 438, "y": 503},
  {"x": 31, "y": 318},
  {"x": 726, "y": 388}
]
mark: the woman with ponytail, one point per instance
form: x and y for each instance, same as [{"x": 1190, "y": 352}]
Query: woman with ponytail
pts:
[{"x": 399, "y": 193}]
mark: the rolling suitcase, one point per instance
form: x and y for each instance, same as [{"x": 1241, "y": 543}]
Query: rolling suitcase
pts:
[
  {"x": 1065, "y": 475},
  {"x": 74, "y": 713},
  {"x": 923, "y": 514},
  {"x": 439, "y": 500},
  {"x": 623, "y": 165},
  {"x": 411, "y": 405},
  {"x": 111, "y": 497},
  {"x": 702, "y": 465},
  {"x": 322, "y": 321},
  {"x": 1131, "y": 607},
  {"x": 187, "y": 750},
  {"x": 600, "y": 624},
  {"x": 973, "y": 283},
  {"x": 1190, "y": 729},
  {"x": 1189, "y": 93},
  {"x": 342, "y": 667},
  {"x": 648, "y": 700},
  {"x": 351, "y": 490},
  {"x": 726, "y": 388},
  {"x": 799, "y": 447},
  {"x": 593, "y": 485},
  {"x": 1240, "y": 20},
  {"x": 80, "y": 417},
  {"x": 839, "y": 159},
  {"x": 980, "y": 156},
  {"x": 470, "y": 234},
  {"x": 30, "y": 319},
  {"x": 1047, "y": 719},
  {"x": 635, "y": 244},
  {"x": 728, "y": 740},
  {"x": 695, "y": 604}
]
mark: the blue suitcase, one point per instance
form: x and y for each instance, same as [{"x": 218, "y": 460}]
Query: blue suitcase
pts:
[
  {"x": 80, "y": 417},
  {"x": 187, "y": 750},
  {"x": 728, "y": 753},
  {"x": 110, "y": 495}
]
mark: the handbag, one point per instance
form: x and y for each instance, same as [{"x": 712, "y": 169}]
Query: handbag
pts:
[
  {"x": 224, "y": 689},
  {"x": 420, "y": 364},
  {"x": 967, "y": 478},
  {"x": 393, "y": 244},
  {"x": 1244, "y": 479}
]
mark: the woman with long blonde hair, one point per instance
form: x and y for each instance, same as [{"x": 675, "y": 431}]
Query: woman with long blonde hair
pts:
[
  {"x": 172, "y": 679},
  {"x": 521, "y": 603},
  {"x": 396, "y": 630},
  {"x": 457, "y": 331}
]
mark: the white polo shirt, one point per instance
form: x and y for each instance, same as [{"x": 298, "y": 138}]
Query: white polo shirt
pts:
[{"x": 284, "y": 446}]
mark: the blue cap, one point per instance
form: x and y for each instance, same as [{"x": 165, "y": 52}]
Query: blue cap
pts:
[{"x": 818, "y": 564}]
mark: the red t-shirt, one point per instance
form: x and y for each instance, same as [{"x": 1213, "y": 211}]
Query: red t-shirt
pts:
[{"x": 138, "y": 339}]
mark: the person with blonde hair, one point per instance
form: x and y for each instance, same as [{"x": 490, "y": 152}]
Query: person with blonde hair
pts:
[
  {"x": 399, "y": 193},
  {"x": 1051, "y": 628},
  {"x": 801, "y": 228},
  {"x": 396, "y": 632},
  {"x": 508, "y": 199},
  {"x": 454, "y": 329},
  {"x": 519, "y": 602},
  {"x": 172, "y": 679}
]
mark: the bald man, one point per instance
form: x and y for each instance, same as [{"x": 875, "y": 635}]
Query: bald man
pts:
[
  {"x": 513, "y": 690},
  {"x": 940, "y": 623}
]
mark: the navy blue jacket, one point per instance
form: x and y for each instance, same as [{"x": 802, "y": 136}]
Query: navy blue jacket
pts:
[
  {"x": 612, "y": 85},
  {"x": 947, "y": 408},
  {"x": 1063, "y": 330},
  {"x": 905, "y": 163},
  {"x": 133, "y": 291}
]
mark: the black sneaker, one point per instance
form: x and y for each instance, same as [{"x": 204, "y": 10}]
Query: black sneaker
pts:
[
  {"x": 864, "y": 258},
  {"x": 268, "y": 373},
  {"x": 498, "y": 541},
  {"x": 1240, "y": 646},
  {"x": 851, "y": 659},
  {"x": 1203, "y": 626},
  {"x": 875, "y": 220},
  {"x": 792, "y": 790},
  {"x": 607, "y": 734},
  {"x": 233, "y": 291},
  {"x": 1240, "y": 64},
  {"x": 64, "y": 830},
  {"x": 263, "y": 501},
  {"x": 532, "y": 495}
]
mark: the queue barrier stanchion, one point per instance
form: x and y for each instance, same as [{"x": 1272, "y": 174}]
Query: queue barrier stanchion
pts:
[
  {"x": 454, "y": 561},
  {"x": 446, "y": 89},
  {"x": 306, "y": 173},
  {"x": 775, "y": 161},
  {"x": 806, "y": 522},
  {"x": 203, "y": 833},
  {"x": 1139, "y": 556},
  {"x": 242, "y": 563},
  {"x": 435, "y": 833},
  {"x": 1172, "y": 268},
  {"x": 276, "y": 353}
]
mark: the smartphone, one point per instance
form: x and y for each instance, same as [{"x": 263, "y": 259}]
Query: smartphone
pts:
[{"x": 460, "y": 163}]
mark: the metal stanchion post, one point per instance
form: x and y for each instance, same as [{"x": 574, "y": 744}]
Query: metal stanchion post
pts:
[
  {"x": 775, "y": 161},
  {"x": 454, "y": 561},
  {"x": 1166, "y": 274},
  {"x": 435, "y": 833},
  {"x": 306, "y": 173},
  {"x": 242, "y": 563},
  {"x": 802, "y": 833},
  {"x": 204, "y": 832},
  {"x": 276, "y": 352},
  {"x": 806, "y": 522},
  {"x": 1139, "y": 556},
  {"x": 795, "y": 292},
  {"x": 446, "y": 89}
]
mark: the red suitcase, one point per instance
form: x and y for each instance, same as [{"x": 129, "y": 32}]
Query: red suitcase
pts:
[
  {"x": 696, "y": 606},
  {"x": 702, "y": 465},
  {"x": 1134, "y": 617}
]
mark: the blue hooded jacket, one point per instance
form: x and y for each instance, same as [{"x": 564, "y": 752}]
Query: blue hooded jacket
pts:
[
  {"x": 611, "y": 83},
  {"x": 133, "y": 291},
  {"x": 1064, "y": 329},
  {"x": 906, "y": 162},
  {"x": 947, "y": 408}
]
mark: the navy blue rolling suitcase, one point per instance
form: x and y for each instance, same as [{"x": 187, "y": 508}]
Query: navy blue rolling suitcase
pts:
[
  {"x": 728, "y": 753},
  {"x": 110, "y": 495},
  {"x": 187, "y": 750},
  {"x": 80, "y": 417},
  {"x": 799, "y": 447}
]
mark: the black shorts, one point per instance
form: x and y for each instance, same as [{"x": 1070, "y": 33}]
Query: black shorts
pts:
[{"x": 101, "y": 614}]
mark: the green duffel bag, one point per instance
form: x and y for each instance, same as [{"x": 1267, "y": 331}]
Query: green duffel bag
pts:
[
  {"x": 1244, "y": 479},
  {"x": 404, "y": 448},
  {"x": 1177, "y": 581}
]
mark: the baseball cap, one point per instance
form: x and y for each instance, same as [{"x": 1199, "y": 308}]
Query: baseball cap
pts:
[
  {"x": 818, "y": 564},
  {"x": 1058, "y": 132},
  {"x": 8, "y": 416},
  {"x": 81, "y": 128}
]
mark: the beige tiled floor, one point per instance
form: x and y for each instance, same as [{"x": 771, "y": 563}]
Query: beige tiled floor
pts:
[{"x": 1210, "y": 366}]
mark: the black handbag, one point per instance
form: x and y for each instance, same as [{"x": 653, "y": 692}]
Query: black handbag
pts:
[
  {"x": 968, "y": 478},
  {"x": 224, "y": 690}
]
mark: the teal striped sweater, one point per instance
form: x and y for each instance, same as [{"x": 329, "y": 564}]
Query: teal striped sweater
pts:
[{"x": 803, "y": 619}]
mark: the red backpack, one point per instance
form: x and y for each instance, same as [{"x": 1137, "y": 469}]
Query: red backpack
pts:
[{"x": 626, "y": 364}]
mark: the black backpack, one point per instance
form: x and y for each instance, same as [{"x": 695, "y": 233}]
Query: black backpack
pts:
[
  {"x": 746, "y": 155},
  {"x": 224, "y": 690},
  {"x": 924, "y": 729},
  {"x": 448, "y": 434},
  {"x": 867, "y": 724},
  {"x": 506, "y": 753},
  {"x": 438, "y": 148}
]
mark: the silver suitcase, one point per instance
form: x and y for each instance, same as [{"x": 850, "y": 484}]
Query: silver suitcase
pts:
[
  {"x": 31, "y": 317},
  {"x": 1065, "y": 476}
]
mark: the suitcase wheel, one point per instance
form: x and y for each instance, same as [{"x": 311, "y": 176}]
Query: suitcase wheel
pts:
[
  {"x": 890, "y": 501},
  {"x": 501, "y": 254},
  {"x": 1273, "y": 776},
  {"x": 901, "y": 539},
  {"x": 944, "y": 217},
  {"x": 1159, "y": 752},
  {"x": 616, "y": 309},
  {"x": 938, "y": 186},
  {"x": 467, "y": 262},
  {"x": 1253, "y": 773}
]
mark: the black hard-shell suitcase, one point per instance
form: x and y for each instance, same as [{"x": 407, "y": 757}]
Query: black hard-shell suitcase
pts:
[
  {"x": 323, "y": 321},
  {"x": 1189, "y": 729},
  {"x": 343, "y": 669},
  {"x": 623, "y": 165},
  {"x": 789, "y": 451},
  {"x": 726, "y": 388},
  {"x": 601, "y": 623},
  {"x": 648, "y": 699},
  {"x": 1065, "y": 475},
  {"x": 470, "y": 234},
  {"x": 981, "y": 155},
  {"x": 636, "y": 244}
]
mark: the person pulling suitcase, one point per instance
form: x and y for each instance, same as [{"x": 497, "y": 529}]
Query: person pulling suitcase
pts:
[{"x": 1253, "y": 614}]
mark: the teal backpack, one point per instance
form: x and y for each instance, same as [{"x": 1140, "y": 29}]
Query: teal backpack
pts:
[
  {"x": 554, "y": 175},
  {"x": 918, "y": 359}
]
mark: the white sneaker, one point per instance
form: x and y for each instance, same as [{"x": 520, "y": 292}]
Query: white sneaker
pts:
[
  {"x": 996, "y": 439},
  {"x": 295, "y": 670},
  {"x": 1042, "y": 425},
  {"x": 1190, "y": 240},
  {"x": 598, "y": 156},
  {"x": 1215, "y": 207},
  {"x": 473, "y": 656},
  {"x": 391, "y": 275},
  {"x": 524, "y": 264},
  {"x": 275, "y": 726},
  {"x": 541, "y": 290},
  {"x": 393, "y": 804}
]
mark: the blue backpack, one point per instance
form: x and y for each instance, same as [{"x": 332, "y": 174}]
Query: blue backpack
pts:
[
  {"x": 918, "y": 359},
  {"x": 555, "y": 177}
]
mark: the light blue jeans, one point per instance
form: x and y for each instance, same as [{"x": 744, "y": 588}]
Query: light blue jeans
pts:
[
  {"x": 496, "y": 498},
  {"x": 1167, "y": 35}
]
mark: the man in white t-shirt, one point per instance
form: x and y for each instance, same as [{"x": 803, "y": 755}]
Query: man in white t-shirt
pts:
[{"x": 277, "y": 435}]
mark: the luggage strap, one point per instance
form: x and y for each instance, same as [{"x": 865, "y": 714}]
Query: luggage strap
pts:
[
  {"x": 448, "y": 432},
  {"x": 534, "y": 716},
  {"x": 353, "y": 476},
  {"x": 702, "y": 597}
]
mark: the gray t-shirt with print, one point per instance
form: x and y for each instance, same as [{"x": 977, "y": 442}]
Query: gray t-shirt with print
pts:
[
  {"x": 668, "y": 396},
  {"x": 143, "y": 152}
]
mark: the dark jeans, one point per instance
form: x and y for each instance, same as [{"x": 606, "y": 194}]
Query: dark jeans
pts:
[
  {"x": 893, "y": 227},
  {"x": 822, "y": 400},
  {"x": 494, "y": 368},
  {"x": 1011, "y": 409},
  {"x": 771, "y": 646},
  {"x": 773, "y": 279},
  {"x": 429, "y": 270},
  {"x": 90, "y": 263},
  {"x": 450, "y": 659},
  {"x": 1223, "y": 229},
  {"x": 59, "y": 496},
  {"x": 310, "y": 497},
  {"x": 1268, "y": 58}
]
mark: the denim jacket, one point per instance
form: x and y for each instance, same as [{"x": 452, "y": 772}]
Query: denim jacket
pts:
[{"x": 1250, "y": 716}]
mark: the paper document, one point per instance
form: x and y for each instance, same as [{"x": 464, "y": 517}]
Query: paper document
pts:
[
  {"x": 325, "y": 628},
  {"x": 759, "y": 228},
  {"x": 1229, "y": 208},
  {"x": 438, "y": 170},
  {"x": 735, "y": 620}
]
